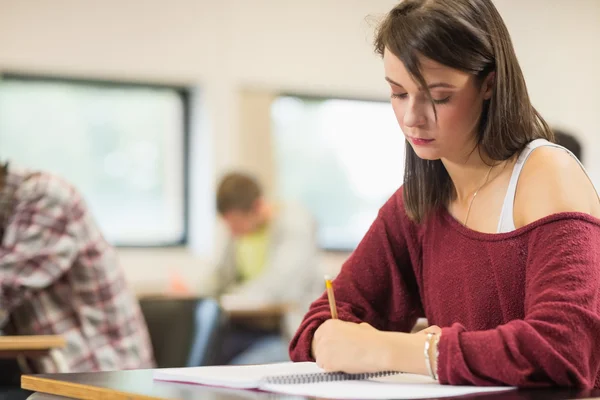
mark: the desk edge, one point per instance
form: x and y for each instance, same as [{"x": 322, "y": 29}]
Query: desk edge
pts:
[{"x": 75, "y": 390}]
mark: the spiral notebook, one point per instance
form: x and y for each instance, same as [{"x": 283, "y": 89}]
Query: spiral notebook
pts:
[{"x": 307, "y": 379}]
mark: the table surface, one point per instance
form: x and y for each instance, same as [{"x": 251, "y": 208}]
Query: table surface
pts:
[
  {"x": 234, "y": 309},
  {"x": 34, "y": 342},
  {"x": 139, "y": 385},
  {"x": 258, "y": 311}
]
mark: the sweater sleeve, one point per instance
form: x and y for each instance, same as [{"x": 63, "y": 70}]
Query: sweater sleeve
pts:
[
  {"x": 375, "y": 285},
  {"x": 557, "y": 341}
]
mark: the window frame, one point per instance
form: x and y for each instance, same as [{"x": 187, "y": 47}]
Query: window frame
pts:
[
  {"x": 323, "y": 97},
  {"x": 183, "y": 92}
]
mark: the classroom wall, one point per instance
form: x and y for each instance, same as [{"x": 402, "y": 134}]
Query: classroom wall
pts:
[{"x": 310, "y": 46}]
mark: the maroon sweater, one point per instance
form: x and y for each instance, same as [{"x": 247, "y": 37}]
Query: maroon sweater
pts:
[{"x": 519, "y": 308}]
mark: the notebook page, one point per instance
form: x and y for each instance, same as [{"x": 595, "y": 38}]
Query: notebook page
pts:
[
  {"x": 234, "y": 376},
  {"x": 401, "y": 386}
]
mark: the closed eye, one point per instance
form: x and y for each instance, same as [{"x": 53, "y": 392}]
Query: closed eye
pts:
[
  {"x": 442, "y": 101},
  {"x": 435, "y": 101}
]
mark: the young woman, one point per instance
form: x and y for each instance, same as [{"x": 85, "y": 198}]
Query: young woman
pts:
[{"x": 493, "y": 237}]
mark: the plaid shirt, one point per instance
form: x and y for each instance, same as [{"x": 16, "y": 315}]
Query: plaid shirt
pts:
[{"x": 58, "y": 275}]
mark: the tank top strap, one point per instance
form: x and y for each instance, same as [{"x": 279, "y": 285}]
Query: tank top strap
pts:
[{"x": 506, "y": 222}]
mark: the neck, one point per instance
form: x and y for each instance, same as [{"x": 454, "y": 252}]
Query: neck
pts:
[{"x": 468, "y": 173}]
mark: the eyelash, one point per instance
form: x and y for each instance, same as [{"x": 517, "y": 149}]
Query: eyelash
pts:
[
  {"x": 442, "y": 101},
  {"x": 403, "y": 96}
]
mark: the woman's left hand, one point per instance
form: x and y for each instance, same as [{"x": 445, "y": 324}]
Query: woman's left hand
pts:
[{"x": 350, "y": 347}]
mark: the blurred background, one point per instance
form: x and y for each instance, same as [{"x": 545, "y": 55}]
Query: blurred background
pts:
[{"x": 143, "y": 105}]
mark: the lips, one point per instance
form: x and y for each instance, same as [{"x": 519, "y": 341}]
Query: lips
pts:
[{"x": 420, "y": 141}]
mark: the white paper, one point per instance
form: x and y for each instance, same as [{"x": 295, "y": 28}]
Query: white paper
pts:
[
  {"x": 399, "y": 386},
  {"x": 402, "y": 386},
  {"x": 234, "y": 376}
]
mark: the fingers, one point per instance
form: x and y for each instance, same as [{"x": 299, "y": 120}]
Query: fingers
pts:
[
  {"x": 323, "y": 339},
  {"x": 317, "y": 337},
  {"x": 321, "y": 335}
]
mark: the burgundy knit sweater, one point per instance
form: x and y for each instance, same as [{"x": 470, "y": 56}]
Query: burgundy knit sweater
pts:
[{"x": 519, "y": 308}]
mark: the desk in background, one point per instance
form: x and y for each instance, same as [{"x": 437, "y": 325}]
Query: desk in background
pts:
[
  {"x": 264, "y": 315},
  {"x": 267, "y": 316},
  {"x": 21, "y": 347},
  {"x": 230, "y": 304},
  {"x": 10, "y": 346},
  {"x": 139, "y": 385}
]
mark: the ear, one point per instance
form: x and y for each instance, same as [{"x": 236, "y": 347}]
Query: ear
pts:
[
  {"x": 257, "y": 205},
  {"x": 488, "y": 85}
]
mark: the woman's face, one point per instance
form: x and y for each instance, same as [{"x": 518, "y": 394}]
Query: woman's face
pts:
[{"x": 458, "y": 100}]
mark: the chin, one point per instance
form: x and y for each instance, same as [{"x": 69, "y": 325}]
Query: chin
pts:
[{"x": 427, "y": 153}]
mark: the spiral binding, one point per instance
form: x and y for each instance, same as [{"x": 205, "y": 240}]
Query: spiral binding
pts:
[{"x": 324, "y": 377}]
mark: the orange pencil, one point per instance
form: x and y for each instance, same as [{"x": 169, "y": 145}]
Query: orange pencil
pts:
[{"x": 331, "y": 297}]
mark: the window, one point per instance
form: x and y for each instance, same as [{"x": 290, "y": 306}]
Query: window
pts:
[
  {"x": 341, "y": 158},
  {"x": 122, "y": 145}
]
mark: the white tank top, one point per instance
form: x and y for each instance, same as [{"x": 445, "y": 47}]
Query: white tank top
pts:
[{"x": 506, "y": 222}]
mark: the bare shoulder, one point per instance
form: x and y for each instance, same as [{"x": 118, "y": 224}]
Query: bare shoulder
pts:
[{"x": 551, "y": 182}]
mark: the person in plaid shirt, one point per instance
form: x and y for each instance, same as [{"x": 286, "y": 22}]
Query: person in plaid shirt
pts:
[{"x": 58, "y": 275}]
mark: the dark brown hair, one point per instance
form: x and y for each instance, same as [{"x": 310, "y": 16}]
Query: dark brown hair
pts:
[
  {"x": 470, "y": 36},
  {"x": 237, "y": 192}
]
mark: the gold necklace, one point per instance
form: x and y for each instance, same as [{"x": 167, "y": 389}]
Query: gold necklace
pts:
[{"x": 475, "y": 194}]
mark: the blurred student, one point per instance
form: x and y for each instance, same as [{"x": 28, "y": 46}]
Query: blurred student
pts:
[
  {"x": 494, "y": 236},
  {"x": 269, "y": 255},
  {"x": 569, "y": 142},
  {"x": 59, "y": 276}
]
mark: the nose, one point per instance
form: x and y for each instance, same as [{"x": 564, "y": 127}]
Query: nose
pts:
[{"x": 414, "y": 116}]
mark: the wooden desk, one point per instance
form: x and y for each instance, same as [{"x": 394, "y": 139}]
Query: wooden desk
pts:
[
  {"x": 29, "y": 346},
  {"x": 257, "y": 314},
  {"x": 233, "y": 307},
  {"x": 261, "y": 311},
  {"x": 131, "y": 385},
  {"x": 139, "y": 385}
]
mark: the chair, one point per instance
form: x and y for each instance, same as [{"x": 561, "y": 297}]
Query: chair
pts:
[{"x": 184, "y": 332}]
